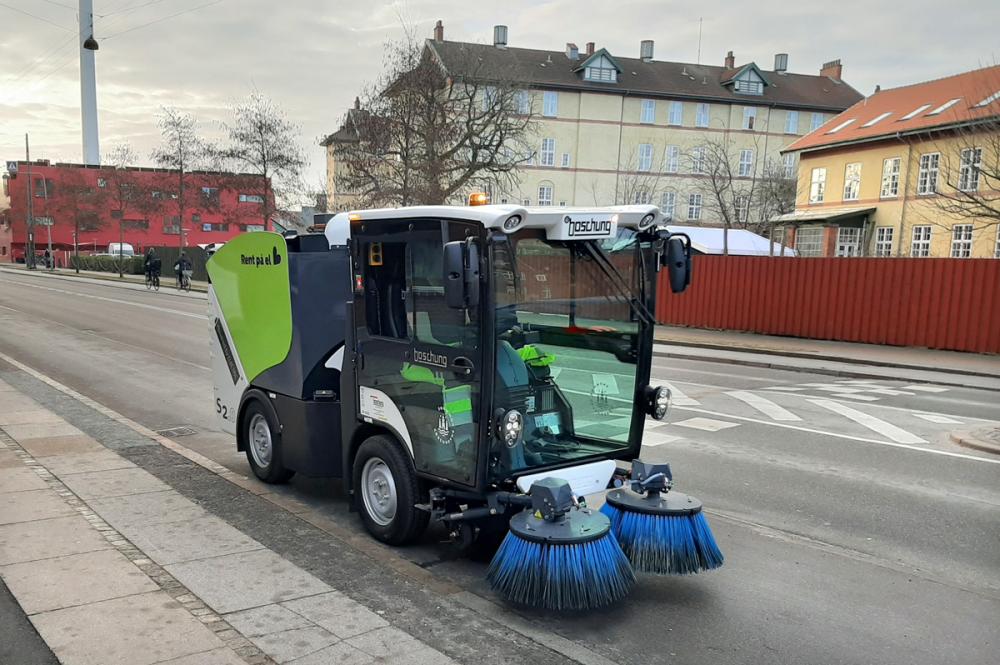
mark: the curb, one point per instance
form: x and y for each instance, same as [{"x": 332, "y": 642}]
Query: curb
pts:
[
  {"x": 968, "y": 439},
  {"x": 846, "y": 373},
  {"x": 815, "y": 356},
  {"x": 107, "y": 281}
]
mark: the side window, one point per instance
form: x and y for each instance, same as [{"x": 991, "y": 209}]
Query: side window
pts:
[
  {"x": 385, "y": 288},
  {"x": 433, "y": 321}
]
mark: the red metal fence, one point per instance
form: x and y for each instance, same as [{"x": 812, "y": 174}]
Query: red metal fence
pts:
[{"x": 936, "y": 303}]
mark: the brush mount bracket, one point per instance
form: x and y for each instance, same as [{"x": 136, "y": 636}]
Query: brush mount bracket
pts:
[
  {"x": 552, "y": 498},
  {"x": 654, "y": 503},
  {"x": 651, "y": 478},
  {"x": 577, "y": 526}
]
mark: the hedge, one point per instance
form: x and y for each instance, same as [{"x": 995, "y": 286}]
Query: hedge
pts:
[{"x": 132, "y": 264}]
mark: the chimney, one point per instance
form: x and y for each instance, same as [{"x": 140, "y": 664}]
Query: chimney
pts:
[
  {"x": 572, "y": 52},
  {"x": 832, "y": 69},
  {"x": 646, "y": 50},
  {"x": 439, "y": 32},
  {"x": 878, "y": 89},
  {"x": 500, "y": 36},
  {"x": 730, "y": 60},
  {"x": 357, "y": 103},
  {"x": 781, "y": 62},
  {"x": 590, "y": 48}
]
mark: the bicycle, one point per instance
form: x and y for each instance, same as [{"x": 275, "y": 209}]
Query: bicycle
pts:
[
  {"x": 185, "y": 280},
  {"x": 152, "y": 281}
]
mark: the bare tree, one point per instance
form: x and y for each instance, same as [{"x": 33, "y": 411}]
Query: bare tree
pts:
[
  {"x": 775, "y": 196},
  {"x": 75, "y": 199},
  {"x": 181, "y": 150},
  {"x": 427, "y": 136},
  {"x": 126, "y": 192},
  {"x": 265, "y": 144},
  {"x": 968, "y": 182},
  {"x": 638, "y": 182}
]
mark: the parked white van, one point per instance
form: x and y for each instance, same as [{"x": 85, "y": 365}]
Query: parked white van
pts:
[{"x": 121, "y": 249}]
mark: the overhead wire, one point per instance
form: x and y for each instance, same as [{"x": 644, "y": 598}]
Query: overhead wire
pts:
[
  {"x": 35, "y": 16},
  {"x": 164, "y": 18}
]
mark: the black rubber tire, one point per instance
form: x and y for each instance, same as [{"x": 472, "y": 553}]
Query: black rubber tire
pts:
[
  {"x": 409, "y": 522},
  {"x": 275, "y": 472}
]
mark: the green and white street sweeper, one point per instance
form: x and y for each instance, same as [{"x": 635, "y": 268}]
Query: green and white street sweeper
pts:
[{"x": 485, "y": 367}]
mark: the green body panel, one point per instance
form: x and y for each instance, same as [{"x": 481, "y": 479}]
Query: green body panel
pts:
[{"x": 250, "y": 279}]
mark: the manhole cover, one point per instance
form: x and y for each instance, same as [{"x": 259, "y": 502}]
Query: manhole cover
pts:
[{"x": 172, "y": 432}]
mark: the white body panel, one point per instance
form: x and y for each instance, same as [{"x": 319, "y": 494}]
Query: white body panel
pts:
[
  {"x": 227, "y": 391},
  {"x": 584, "y": 479},
  {"x": 376, "y": 406}
]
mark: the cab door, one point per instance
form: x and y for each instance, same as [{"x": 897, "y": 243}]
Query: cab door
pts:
[{"x": 419, "y": 360}]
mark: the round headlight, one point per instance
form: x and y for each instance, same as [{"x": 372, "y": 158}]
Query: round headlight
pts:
[
  {"x": 647, "y": 221},
  {"x": 658, "y": 401},
  {"x": 511, "y": 223},
  {"x": 511, "y": 427}
]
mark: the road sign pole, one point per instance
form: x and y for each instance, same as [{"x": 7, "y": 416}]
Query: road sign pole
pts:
[{"x": 29, "y": 259}]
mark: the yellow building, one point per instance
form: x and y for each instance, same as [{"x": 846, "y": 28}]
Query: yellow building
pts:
[
  {"x": 910, "y": 171},
  {"x": 613, "y": 129}
]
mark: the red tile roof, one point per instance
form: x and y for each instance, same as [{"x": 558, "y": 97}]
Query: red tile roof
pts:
[{"x": 889, "y": 112}]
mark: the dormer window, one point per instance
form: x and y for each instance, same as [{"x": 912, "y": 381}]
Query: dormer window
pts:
[
  {"x": 600, "y": 68},
  {"x": 748, "y": 81},
  {"x": 750, "y": 87},
  {"x": 600, "y": 74}
]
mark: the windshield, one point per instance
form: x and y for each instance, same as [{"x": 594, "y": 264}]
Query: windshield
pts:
[{"x": 567, "y": 347}]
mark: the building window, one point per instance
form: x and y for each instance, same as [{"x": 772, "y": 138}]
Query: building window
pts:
[
  {"x": 883, "y": 241},
  {"x": 815, "y": 122},
  {"x": 852, "y": 181},
  {"x": 996, "y": 250},
  {"x": 667, "y": 204},
  {"x": 742, "y": 207},
  {"x": 642, "y": 197},
  {"x": 548, "y": 155},
  {"x": 817, "y": 188},
  {"x": 645, "y": 156},
  {"x": 603, "y": 74},
  {"x": 44, "y": 187},
  {"x": 562, "y": 204},
  {"x": 789, "y": 165},
  {"x": 968, "y": 174},
  {"x": 927, "y": 176},
  {"x": 156, "y": 195},
  {"x": 101, "y": 182},
  {"x": 749, "y": 116},
  {"x": 848, "y": 241},
  {"x": 694, "y": 206},
  {"x": 196, "y": 218},
  {"x": 250, "y": 228},
  {"x": 671, "y": 159},
  {"x": 214, "y": 227},
  {"x": 961, "y": 241},
  {"x": 565, "y": 160},
  {"x": 920, "y": 243},
  {"x": 545, "y": 195},
  {"x": 890, "y": 178},
  {"x": 530, "y": 158},
  {"x": 809, "y": 241},
  {"x": 489, "y": 97},
  {"x": 523, "y": 102},
  {"x": 791, "y": 122},
  {"x": 746, "y": 162},
  {"x": 676, "y": 113},
  {"x": 209, "y": 193},
  {"x": 701, "y": 115},
  {"x": 550, "y": 104},
  {"x": 648, "y": 113},
  {"x": 251, "y": 198},
  {"x": 749, "y": 87},
  {"x": 172, "y": 226},
  {"x": 526, "y": 202},
  {"x": 698, "y": 160}
]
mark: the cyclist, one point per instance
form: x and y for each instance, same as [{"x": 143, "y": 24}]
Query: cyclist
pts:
[
  {"x": 152, "y": 266},
  {"x": 182, "y": 266}
]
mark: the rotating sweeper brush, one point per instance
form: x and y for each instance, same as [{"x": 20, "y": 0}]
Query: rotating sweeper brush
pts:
[{"x": 661, "y": 531}]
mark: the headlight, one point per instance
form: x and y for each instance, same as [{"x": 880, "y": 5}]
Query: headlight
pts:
[
  {"x": 647, "y": 221},
  {"x": 511, "y": 427},
  {"x": 657, "y": 401},
  {"x": 511, "y": 223}
]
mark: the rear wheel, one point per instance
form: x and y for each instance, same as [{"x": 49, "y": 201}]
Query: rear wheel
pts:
[
  {"x": 386, "y": 491},
  {"x": 263, "y": 445}
]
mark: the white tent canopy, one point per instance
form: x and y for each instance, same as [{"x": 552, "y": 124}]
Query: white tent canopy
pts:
[{"x": 708, "y": 240}]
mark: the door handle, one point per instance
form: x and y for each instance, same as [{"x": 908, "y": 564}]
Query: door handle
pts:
[{"x": 462, "y": 365}]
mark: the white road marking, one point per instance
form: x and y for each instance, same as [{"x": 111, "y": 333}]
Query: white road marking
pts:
[
  {"x": 840, "y": 390},
  {"x": 935, "y": 418},
  {"x": 791, "y": 389},
  {"x": 927, "y": 389},
  {"x": 656, "y": 439},
  {"x": 115, "y": 300},
  {"x": 765, "y": 406},
  {"x": 889, "y": 391},
  {"x": 706, "y": 424},
  {"x": 678, "y": 398},
  {"x": 860, "y": 398},
  {"x": 871, "y": 422}
]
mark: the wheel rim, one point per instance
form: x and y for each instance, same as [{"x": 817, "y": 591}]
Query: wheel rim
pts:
[
  {"x": 378, "y": 490},
  {"x": 261, "y": 446}
]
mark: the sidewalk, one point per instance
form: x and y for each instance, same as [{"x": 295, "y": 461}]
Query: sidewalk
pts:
[
  {"x": 113, "y": 565},
  {"x": 167, "y": 280}
]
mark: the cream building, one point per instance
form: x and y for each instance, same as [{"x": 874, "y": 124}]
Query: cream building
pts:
[{"x": 615, "y": 129}]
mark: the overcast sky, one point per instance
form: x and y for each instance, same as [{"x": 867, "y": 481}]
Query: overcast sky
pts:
[{"x": 313, "y": 56}]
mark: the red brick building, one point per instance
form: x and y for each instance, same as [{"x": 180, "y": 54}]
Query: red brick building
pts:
[{"x": 93, "y": 206}]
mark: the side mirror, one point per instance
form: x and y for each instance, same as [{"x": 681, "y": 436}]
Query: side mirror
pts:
[
  {"x": 677, "y": 260},
  {"x": 461, "y": 274}
]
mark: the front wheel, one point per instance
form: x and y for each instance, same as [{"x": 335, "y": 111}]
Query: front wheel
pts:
[
  {"x": 386, "y": 491},
  {"x": 263, "y": 445}
]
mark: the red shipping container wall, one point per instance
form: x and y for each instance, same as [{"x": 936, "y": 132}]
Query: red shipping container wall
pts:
[{"x": 936, "y": 303}]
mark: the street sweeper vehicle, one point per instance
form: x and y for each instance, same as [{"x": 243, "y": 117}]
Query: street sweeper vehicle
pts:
[{"x": 483, "y": 367}]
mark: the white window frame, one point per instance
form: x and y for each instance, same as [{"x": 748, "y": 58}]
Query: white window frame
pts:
[
  {"x": 550, "y": 103},
  {"x": 789, "y": 165},
  {"x": 920, "y": 241},
  {"x": 741, "y": 205},
  {"x": 524, "y": 102},
  {"x": 702, "y": 115},
  {"x": 927, "y": 174},
  {"x": 694, "y": 207},
  {"x": 996, "y": 249},
  {"x": 489, "y": 97},
  {"x": 817, "y": 185},
  {"x": 675, "y": 114},
  {"x": 746, "y": 163},
  {"x": 565, "y": 160},
  {"x": 672, "y": 159},
  {"x": 791, "y": 122},
  {"x": 815, "y": 121},
  {"x": 852, "y": 181},
  {"x": 647, "y": 111},
  {"x": 809, "y": 241},
  {"x": 848, "y": 241},
  {"x": 961, "y": 241},
  {"x": 668, "y": 205},
  {"x": 645, "y": 157},
  {"x": 890, "y": 178},
  {"x": 698, "y": 160},
  {"x": 547, "y": 155},
  {"x": 749, "y": 117},
  {"x": 883, "y": 240},
  {"x": 970, "y": 163},
  {"x": 545, "y": 195},
  {"x": 642, "y": 197}
]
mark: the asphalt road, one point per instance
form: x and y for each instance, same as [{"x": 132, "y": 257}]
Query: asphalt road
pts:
[{"x": 854, "y": 531}]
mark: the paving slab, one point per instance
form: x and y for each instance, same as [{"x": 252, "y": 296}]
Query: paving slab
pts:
[
  {"x": 26, "y": 431},
  {"x": 76, "y": 579},
  {"x": 60, "y": 445},
  {"x": 337, "y": 613},
  {"x": 13, "y": 401},
  {"x": 32, "y": 505},
  {"x": 19, "y": 479},
  {"x": 341, "y": 653},
  {"x": 291, "y": 644},
  {"x": 265, "y": 620},
  {"x": 392, "y": 646},
  {"x": 8, "y": 459},
  {"x": 45, "y": 539},
  {"x": 117, "y": 482},
  {"x": 224, "y": 656},
  {"x": 249, "y": 579},
  {"x": 147, "y": 508},
  {"x": 189, "y": 540},
  {"x": 98, "y": 460},
  {"x": 28, "y": 416},
  {"x": 134, "y": 630}
]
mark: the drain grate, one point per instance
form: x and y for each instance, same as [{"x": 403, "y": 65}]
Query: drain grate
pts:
[{"x": 172, "y": 432}]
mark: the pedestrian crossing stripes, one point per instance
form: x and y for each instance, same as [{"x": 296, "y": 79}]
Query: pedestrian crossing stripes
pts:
[
  {"x": 765, "y": 406},
  {"x": 877, "y": 425}
]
